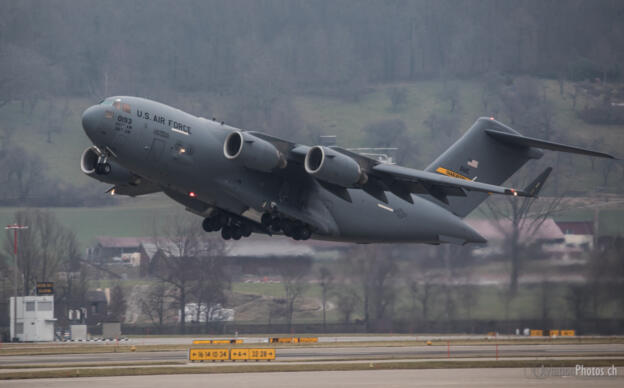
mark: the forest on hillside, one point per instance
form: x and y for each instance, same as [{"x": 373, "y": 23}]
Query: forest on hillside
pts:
[
  {"x": 247, "y": 60},
  {"x": 64, "y": 47}
]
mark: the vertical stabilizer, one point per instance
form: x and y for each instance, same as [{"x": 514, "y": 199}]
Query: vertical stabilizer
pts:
[{"x": 480, "y": 157}]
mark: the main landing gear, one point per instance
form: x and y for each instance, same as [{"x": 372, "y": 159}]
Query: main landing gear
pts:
[
  {"x": 235, "y": 227},
  {"x": 231, "y": 227},
  {"x": 297, "y": 230}
]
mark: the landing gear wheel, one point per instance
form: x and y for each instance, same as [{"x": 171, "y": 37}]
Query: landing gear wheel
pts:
[
  {"x": 211, "y": 224},
  {"x": 276, "y": 225},
  {"x": 305, "y": 233},
  {"x": 266, "y": 220},
  {"x": 236, "y": 233},
  {"x": 102, "y": 168},
  {"x": 246, "y": 230},
  {"x": 288, "y": 228},
  {"x": 226, "y": 233}
]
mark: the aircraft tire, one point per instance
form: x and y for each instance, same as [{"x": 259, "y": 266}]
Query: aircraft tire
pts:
[
  {"x": 223, "y": 219},
  {"x": 102, "y": 168},
  {"x": 226, "y": 233},
  {"x": 236, "y": 233},
  {"x": 276, "y": 225},
  {"x": 305, "y": 233},
  {"x": 246, "y": 230},
  {"x": 266, "y": 220},
  {"x": 288, "y": 228},
  {"x": 208, "y": 225}
]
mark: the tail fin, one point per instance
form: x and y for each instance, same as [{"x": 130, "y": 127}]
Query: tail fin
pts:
[{"x": 491, "y": 152}]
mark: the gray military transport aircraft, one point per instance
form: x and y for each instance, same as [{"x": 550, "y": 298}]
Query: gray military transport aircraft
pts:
[{"x": 243, "y": 181}]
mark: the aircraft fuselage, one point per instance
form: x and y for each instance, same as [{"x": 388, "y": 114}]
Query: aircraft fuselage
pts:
[{"x": 184, "y": 155}]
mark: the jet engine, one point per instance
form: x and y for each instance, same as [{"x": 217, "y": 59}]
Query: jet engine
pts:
[
  {"x": 253, "y": 152},
  {"x": 109, "y": 171},
  {"x": 331, "y": 166}
]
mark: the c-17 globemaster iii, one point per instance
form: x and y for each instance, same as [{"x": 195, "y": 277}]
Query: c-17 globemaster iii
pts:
[{"x": 243, "y": 182}]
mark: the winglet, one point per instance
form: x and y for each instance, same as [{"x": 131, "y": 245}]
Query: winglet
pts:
[{"x": 533, "y": 189}]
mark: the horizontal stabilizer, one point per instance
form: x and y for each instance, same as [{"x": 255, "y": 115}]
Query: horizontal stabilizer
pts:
[{"x": 524, "y": 141}]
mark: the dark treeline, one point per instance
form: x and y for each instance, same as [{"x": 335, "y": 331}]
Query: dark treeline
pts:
[
  {"x": 243, "y": 61},
  {"x": 151, "y": 47}
]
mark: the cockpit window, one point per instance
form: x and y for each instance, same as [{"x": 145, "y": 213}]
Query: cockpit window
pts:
[
  {"x": 126, "y": 108},
  {"x": 107, "y": 101},
  {"x": 117, "y": 104}
]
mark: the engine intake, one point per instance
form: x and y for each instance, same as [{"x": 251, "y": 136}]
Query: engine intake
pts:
[
  {"x": 333, "y": 167},
  {"x": 109, "y": 171},
  {"x": 253, "y": 152}
]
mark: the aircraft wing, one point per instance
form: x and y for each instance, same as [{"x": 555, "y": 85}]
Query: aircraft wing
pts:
[{"x": 401, "y": 181}]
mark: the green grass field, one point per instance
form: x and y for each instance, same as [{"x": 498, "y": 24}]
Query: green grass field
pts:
[
  {"x": 489, "y": 303},
  {"x": 133, "y": 217}
]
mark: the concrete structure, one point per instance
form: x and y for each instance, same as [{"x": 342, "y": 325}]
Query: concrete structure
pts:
[
  {"x": 35, "y": 318},
  {"x": 78, "y": 332},
  {"x": 111, "y": 330}
]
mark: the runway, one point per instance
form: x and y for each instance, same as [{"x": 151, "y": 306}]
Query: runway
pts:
[
  {"x": 309, "y": 353},
  {"x": 496, "y": 377}
]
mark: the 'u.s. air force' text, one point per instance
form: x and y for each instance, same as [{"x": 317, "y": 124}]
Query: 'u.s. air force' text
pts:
[{"x": 162, "y": 120}]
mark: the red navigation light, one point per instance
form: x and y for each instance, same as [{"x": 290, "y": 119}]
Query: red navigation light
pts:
[
  {"x": 491, "y": 117},
  {"x": 192, "y": 194}
]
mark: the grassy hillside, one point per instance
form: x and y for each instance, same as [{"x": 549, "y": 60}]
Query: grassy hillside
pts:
[{"x": 346, "y": 119}]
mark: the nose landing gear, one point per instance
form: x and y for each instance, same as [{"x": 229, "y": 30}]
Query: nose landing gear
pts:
[{"x": 102, "y": 168}]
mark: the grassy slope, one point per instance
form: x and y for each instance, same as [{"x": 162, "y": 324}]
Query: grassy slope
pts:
[{"x": 346, "y": 119}]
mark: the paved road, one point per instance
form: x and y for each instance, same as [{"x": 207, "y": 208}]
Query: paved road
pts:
[
  {"x": 327, "y": 353},
  {"x": 509, "y": 378}
]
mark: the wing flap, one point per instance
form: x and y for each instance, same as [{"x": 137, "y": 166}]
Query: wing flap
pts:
[{"x": 440, "y": 185}]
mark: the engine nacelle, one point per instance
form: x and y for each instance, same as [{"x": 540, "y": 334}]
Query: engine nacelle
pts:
[
  {"x": 253, "y": 152},
  {"x": 109, "y": 171},
  {"x": 333, "y": 167}
]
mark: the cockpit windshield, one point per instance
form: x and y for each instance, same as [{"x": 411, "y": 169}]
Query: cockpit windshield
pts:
[
  {"x": 107, "y": 101},
  {"x": 117, "y": 104}
]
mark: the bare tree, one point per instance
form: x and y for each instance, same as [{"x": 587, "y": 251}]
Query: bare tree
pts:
[
  {"x": 209, "y": 289},
  {"x": 577, "y": 300},
  {"x": 181, "y": 246},
  {"x": 117, "y": 307},
  {"x": 545, "y": 300},
  {"x": 43, "y": 248},
  {"x": 155, "y": 303},
  {"x": 372, "y": 267},
  {"x": 326, "y": 280},
  {"x": 520, "y": 219},
  {"x": 346, "y": 300},
  {"x": 468, "y": 295},
  {"x": 421, "y": 288},
  {"x": 293, "y": 273}
]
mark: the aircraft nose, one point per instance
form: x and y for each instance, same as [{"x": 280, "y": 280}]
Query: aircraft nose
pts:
[{"x": 90, "y": 120}]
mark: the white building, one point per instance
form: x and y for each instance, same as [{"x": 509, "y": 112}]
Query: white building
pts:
[{"x": 35, "y": 318}]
